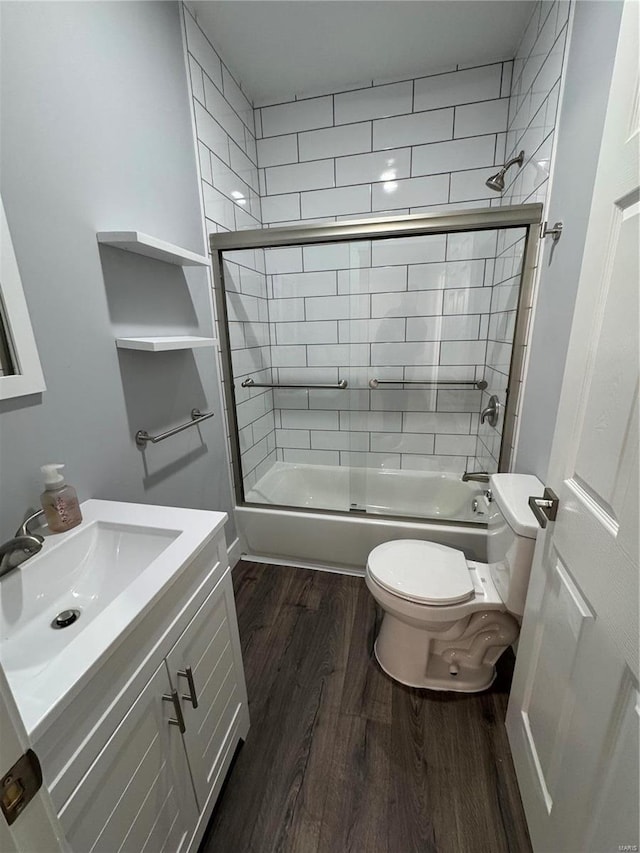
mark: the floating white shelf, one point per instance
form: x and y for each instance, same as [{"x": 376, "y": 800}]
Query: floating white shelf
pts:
[
  {"x": 164, "y": 344},
  {"x": 151, "y": 247}
]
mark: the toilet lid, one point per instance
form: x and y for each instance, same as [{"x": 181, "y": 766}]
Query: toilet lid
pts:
[{"x": 421, "y": 571}]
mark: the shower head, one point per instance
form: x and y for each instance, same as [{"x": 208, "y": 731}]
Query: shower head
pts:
[{"x": 496, "y": 182}]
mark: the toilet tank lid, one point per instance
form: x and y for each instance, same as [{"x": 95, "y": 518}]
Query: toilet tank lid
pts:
[
  {"x": 419, "y": 571},
  {"x": 511, "y": 493}
]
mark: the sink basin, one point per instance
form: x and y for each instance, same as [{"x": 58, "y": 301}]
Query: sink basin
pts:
[
  {"x": 109, "y": 571},
  {"x": 84, "y": 573}
]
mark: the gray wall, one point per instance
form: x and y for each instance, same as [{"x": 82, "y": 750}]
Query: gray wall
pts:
[
  {"x": 96, "y": 135},
  {"x": 588, "y": 76}
]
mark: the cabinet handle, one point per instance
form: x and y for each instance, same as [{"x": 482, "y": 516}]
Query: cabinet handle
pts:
[
  {"x": 179, "y": 722},
  {"x": 187, "y": 673}
]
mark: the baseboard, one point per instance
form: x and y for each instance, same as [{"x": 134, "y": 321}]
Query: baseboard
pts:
[
  {"x": 303, "y": 564},
  {"x": 234, "y": 552}
]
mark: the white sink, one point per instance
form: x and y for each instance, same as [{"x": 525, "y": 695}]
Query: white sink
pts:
[{"x": 110, "y": 570}]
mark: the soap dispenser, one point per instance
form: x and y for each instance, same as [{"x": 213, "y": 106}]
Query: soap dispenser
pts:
[{"x": 59, "y": 501}]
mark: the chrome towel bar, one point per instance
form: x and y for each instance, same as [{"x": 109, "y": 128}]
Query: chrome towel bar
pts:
[
  {"x": 142, "y": 436},
  {"x": 480, "y": 385},
  {"x": 249, "y": 383}
]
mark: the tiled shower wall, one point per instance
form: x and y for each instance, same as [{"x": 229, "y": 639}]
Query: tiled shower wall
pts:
[
  {"x": 224, "y": 122},
  {"x": 533, "y": 108},
  {"x": 408, "y": 308}
]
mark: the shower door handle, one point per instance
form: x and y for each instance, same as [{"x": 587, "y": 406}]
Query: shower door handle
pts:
[{"x": 545, "y": 508}]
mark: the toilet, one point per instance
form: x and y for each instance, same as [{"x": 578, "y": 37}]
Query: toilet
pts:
[{"x": 447, "y": 619}]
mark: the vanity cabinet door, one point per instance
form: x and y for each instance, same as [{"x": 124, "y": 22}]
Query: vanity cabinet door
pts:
[
  {"x": 137, "y": 796},
  {"x": 205, "y": 666}
]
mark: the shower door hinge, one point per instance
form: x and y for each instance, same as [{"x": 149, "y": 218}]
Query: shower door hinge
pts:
[
  {"x": 20, "y": 785},
  {"x": 555, "y": 233}
]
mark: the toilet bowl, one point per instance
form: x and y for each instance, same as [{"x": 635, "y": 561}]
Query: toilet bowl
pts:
[{"x": 447, "y": 619}]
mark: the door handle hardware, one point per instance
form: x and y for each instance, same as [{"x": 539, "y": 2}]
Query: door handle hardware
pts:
[
  {"x": 179, "y": 721},
  {"x": 187, "y": 673},
  {"x": 545, "y": 508},
  {"x": 555, "y": 232}
]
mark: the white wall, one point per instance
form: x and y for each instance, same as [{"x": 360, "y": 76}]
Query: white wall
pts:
[
  {"x": 96, "y": 135},
  {"x": 587, "y": 78}
]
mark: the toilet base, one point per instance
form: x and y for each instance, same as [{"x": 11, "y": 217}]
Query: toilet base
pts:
[
  {"x": 467, "y": 680},
  {"x": 458, "y": 656}
]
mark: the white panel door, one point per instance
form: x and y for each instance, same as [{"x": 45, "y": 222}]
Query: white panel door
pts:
[
  {"x": 137, "y": 796},
  {"x": 209, "y": 651},
  {"x": 573, "y": 715}
]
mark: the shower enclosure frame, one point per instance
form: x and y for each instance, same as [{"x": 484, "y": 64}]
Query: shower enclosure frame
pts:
[{"x": 528, "y": 216}]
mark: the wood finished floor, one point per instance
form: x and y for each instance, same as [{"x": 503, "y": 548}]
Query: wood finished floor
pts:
[{"x": 341, "y": 758}]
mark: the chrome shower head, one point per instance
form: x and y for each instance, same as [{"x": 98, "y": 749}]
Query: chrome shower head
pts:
[{"x": 496, "y": 182}]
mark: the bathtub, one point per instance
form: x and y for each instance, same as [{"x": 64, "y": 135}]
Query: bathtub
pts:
[{"x": 343, "y": 509}]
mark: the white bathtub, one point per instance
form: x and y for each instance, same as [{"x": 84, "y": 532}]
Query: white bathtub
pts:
[{"x": 343, "y": 541}]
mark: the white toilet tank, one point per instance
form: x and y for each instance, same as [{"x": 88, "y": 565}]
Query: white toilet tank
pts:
[{"x": 512, "y": 536}]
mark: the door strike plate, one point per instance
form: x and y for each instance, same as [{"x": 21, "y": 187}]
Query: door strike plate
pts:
[{"x": 19, "y": 785}]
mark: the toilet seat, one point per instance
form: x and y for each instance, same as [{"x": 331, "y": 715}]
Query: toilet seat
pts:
[{"x": 422, "y": 572}]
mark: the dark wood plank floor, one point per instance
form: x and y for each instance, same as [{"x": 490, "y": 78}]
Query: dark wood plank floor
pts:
[{"x": 339, "y": 757}]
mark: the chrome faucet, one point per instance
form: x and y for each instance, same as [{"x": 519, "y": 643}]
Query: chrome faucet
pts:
[
  {"x": 478, "y": 477},
  {"x": 16, "y": 551},
  {"x": 25, "y": 527}
]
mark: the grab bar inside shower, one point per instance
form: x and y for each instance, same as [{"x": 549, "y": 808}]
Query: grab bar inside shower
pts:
[
  {"x": 249, "y": 383},
  {"x": 480, "y": 384}
]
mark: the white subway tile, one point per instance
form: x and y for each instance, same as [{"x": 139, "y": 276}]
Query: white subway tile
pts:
[
  {"x": 280, "y": 208},
  {"x": 485, "y": 117},
  {"x": 323, "y": 332},
  {"x": 263, "y": 426},
  {"x": 462, "y": 352},
  {"x": 443, "y": 328},
  {"x": 218, "y": 207},
  {"x": 283, "y": 260},
  {"x": 376, "y": 102},
  {"x": 446, "y": 274},
  {"x": 309, "y": 419},
  {"x": 440, "y": 464},
  {"x": 331, "y": 202},
  {"x": 470, "y": 245},
  {"x": 390, "y": 442},
  {"x": 353, "y": 459},
  {"x": 337, "y": 307},
  {"x": 408, "y": 250},
  {"x": 411, "y": 192},
  {"x": 290, "y": 398},
  {"x": 297, "y": 115},
  {"x": 338, "y": 355},
  {"x": 415, "y": 129},
  {"x": 372, "y": 280},
  {"x": 366, "y": 331},
  {"x": 472, "y": 300},
  {"x": 437, "y": 422},
  {"x": 321, "y": 283},
  {"x": 201, "y": 49},
  {"x": 459, "y": 401},
  {"x": 277, "y": 150},
  {"x": 371, "y": 421},
  {"x": 407, "y": 304},
  {"x": 507, "y": 78},
  {"x": 471, "y": 184},
  {"x": 300, "y": 176},
  {"x": 236, "y": 97},
  {"x": 197, "y": 83},
  {"x": 335, "y": 141},
  {"x": 330, "y": 256},
  {"x": 313, "y": 457},
  {"x": 379, "y": 166},
  {"x": 224, "y": 113},
  {"x": 458, "y": 87},
  {"x": 409, "y": 399},
  {"x": 293, "y": 438},
  {"x": 401, "y": 354},
  {"x": 286, "y": 310},
  {"x": 339, "y": 440},
  {"x": 204, "y": 157},
  {"x": 453, "y": 155},
  {"x": 334, "y": 399},
  {"x": 211, "y": 133},
  {"x": 455, "y": 445},
  {"x": 290, "y": 356}
]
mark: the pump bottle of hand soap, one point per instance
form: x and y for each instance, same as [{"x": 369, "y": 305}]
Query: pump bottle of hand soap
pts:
[{"x": 59, "y": 501}]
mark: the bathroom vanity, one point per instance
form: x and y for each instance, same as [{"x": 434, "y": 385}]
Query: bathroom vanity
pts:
[{"x": 136, "y": 707}]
